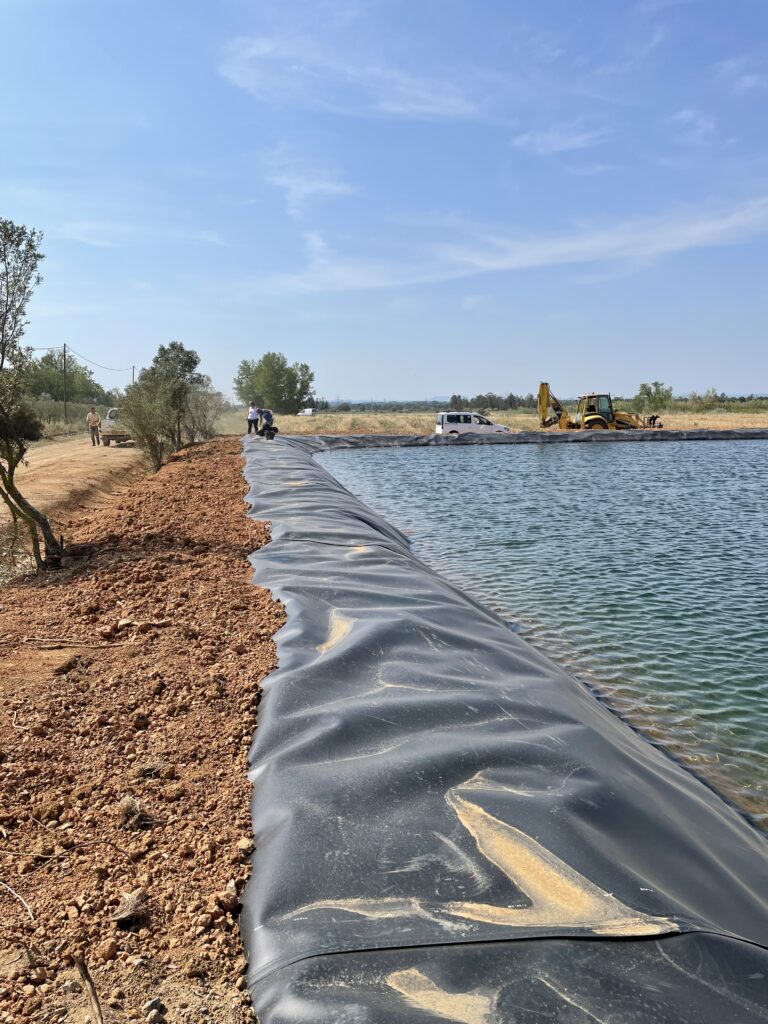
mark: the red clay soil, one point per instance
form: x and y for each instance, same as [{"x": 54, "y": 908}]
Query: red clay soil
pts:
[
  {"x": 129, "y": 683},
  {"x": 63, "y": 475}
]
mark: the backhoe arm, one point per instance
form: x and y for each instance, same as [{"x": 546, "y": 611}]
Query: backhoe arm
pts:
[{"x": 548, "y": 401}]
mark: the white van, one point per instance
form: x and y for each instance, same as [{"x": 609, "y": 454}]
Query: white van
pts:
[
  {"x": 467, "y": 423},
  {"x": 307, "y": 412}
]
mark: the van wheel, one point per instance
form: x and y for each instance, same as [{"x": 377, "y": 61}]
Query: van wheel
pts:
[
  {"x": 453, "y": 433},
  {"x": 105, "y": 441}
]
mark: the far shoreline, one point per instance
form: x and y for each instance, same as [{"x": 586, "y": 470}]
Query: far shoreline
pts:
[{"x": 518, "y": 420}]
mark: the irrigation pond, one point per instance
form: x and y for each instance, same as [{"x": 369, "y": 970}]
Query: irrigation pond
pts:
[{"x": 642, "y": 569}]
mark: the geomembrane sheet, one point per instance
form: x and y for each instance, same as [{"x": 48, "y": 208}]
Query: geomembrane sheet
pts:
[{"x": 450, "y": 827}]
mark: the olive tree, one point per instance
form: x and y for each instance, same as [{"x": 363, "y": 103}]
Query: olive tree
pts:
[
  {"x": 202, "y": 409},
  {"x": 144, "y": 410},
  {"x": 20, "y": 258},
  {"x": 173, "y": 374},
  {"x": 170, "y": 404}
]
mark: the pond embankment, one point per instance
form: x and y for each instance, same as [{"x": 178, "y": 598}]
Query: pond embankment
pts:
[{"x": 129, "y": 684}]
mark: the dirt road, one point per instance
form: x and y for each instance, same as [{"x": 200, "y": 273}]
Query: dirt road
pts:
[{"x": 62, "y": 475}]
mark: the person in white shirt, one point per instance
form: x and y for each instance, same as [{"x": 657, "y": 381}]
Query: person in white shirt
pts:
[
  {"x": 93, "y": 420},
  {"x": 253, "y": 418}
]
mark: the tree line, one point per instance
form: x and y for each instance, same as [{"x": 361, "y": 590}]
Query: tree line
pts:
[
  {"x": 170, "y": 404},
  {"x": 656, "y": 397},
  {"x": 652, "y": 397},
  {"x": 491, "y": 401},
  {"x": 45, "y": 380}
]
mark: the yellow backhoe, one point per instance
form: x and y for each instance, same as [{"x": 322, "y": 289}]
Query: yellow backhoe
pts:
[{"x": 595, "y": 412}]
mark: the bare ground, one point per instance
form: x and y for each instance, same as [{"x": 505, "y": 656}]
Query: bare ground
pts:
[
  {"x": 63, "y": 478},
  {"x": 60, "y": 475},
  {"x": 129, "y": 683}
]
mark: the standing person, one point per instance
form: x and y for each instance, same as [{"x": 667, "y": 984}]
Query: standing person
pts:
[
  {"x": 253, "y": 418},
  {"x": 93, "y": 420}
]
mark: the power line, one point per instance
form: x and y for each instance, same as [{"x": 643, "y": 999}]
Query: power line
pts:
[
  {"x": 58, "y": 348},
  {"x": 110, "y": 369}
]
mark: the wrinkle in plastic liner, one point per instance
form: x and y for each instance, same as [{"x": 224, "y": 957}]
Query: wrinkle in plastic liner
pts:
[{"x": 447, "y": 825}]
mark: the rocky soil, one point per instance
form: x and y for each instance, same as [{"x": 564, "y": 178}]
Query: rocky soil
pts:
[{"x": 129, "y": 683}]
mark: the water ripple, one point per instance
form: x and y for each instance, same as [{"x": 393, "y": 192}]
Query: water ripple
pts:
[{"x": 640, "y": 568}]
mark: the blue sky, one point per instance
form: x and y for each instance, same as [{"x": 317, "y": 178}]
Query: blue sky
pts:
[{"x": 413, "y": 197}]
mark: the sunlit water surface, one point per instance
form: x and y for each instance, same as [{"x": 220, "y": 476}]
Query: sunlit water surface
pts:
[{"x": 642, "y": 568}]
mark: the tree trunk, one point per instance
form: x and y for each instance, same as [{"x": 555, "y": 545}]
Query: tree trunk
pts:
[{"x": 36, "y": 522}]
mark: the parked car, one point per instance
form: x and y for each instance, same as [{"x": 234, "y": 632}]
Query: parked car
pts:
[
  {"x": 307, "y": 412},
  {"x": 112, "y": 429},
  {"x": 467, "y": 423}
]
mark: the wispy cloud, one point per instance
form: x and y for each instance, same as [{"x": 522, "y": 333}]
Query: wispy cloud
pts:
[
  {"x": 560, "y": 139},
  {"x": 742, "y": 75},
  {"x": 295, "y": 71},
  {"x": 114, "y": 234},
  {"x": 591, "y": 170},
  {"x": 633, "y": 243},
  {"x": 748, "y": 82},
  {"x": 653, "y": 7},
  {"x": 694, "y": 125},
  {"x": 206, "y": 237},
  {"x": 302, "y": 180},
  {"x": 99, "y": 234},
  {"x": 55, "y": 310},
  {"x": 636, "y": 55},
  {"x": 635, "y": 239}
]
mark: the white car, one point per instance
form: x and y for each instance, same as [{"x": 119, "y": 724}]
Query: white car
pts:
[
  {"x": 307, "y": 412},
  {"x": 467, "y": 423}
]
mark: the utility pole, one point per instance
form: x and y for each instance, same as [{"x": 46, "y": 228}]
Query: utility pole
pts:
[
  {"x": 133, "y": 375},
  {"x": 65, "y": 383}
]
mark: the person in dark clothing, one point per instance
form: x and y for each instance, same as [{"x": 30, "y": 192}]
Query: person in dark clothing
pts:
[
  {"x": 267, "y": 422},
  {"x": 268, "y": 428}
]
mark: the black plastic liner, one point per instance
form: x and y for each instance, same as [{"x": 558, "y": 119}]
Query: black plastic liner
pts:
[
  {"x": 448, "y": 826},
  {"x": 685, "y": 979},
  {"x": 330, "y": 441}
]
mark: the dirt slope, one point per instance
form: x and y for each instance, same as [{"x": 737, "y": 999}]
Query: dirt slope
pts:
[
  {"x": 64, "y": 473},
  {"x": 128, "y": 686}
]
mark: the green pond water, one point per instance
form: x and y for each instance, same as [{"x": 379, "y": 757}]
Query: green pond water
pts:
[{"x": 641, "y": 568}]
